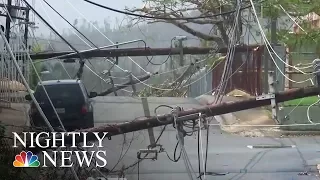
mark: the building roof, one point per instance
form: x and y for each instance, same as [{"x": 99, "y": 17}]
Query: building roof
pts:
[{"x": 311, "y": 17}]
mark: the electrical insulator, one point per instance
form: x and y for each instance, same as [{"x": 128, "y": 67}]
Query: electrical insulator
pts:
[{"x": 316, "y": 67}]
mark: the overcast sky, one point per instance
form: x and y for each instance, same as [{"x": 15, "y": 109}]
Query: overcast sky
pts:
[{"x": 90, "y": 11}]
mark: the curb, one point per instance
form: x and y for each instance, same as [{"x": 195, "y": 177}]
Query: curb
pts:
[
  {"x": 270, "y": 146},
  {"x": 277, "y": 132},
  {"x": 296, "y": 133},
  {"x": 10, "y": 108},
  {"x": 289, "y": 133}
]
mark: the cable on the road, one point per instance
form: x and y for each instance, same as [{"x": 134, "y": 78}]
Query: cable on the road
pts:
[
  {"x": 174, "y": 159},
  {"x": 140, "y": 160},
  {"x": 125, "y": 153},
  {"x": 185, "y": 156}
]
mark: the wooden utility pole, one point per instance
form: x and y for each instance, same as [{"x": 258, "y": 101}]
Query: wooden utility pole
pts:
[
  {"x": 121, "y": 52},
  {"x": 25, "y": 36},
  {"x": 181, "y": 57},
  {"x": 11, "y": 8},
  {"x": 8, "y": 20},
  {"x": 211, "y": 110},
  {"x": 272, "y": 80},
  {"x": 26, "y": 29}
]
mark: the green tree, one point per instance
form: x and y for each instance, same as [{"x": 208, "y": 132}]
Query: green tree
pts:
[
  {"x": 59, "y": 72},
  {"x": 33, "y": 75},
  {"x": 296, "y": 9},
  {"x": 183, "y": 9},
  {"x": 221, "y": 24}
]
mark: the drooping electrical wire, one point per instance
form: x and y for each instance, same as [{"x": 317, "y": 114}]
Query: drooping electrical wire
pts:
[
  {"x": 85, "y": 18},
  {"x": 80, "y": 71},
  {"x": 39, "y": 78},
  {"x": 63, "y": 128},
  {"x": 308, "y": 109},
  {"x": 113, "y": 43},
  {"x": 85, "y": 65},
  {"x": 164, "y": 18},
  {"x": 230, "y": 55},
  {"x": 268, "y": 47},
  {"x": 52, "y": 46},
  {"x": 138, "y": 161},
  {"x": 31, "y": 94}
]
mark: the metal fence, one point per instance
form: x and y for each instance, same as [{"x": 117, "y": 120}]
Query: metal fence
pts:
[
  {"x": 201, "y": 83},
  {"x": 246, "y": 75},
  {"x": 301, "y": 57},
  {"x": 249, "y": 73},
  {"x": 12, "y": 89}
]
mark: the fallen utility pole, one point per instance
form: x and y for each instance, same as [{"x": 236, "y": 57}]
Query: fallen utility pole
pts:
[
  {"x": 121, "y": 52},
  {"x": 68, "y": 55},
  {"x": 211, "y": 110},
  {"x": 124, "y": 85}
]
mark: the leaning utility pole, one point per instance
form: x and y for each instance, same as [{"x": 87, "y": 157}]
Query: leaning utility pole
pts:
[
  {"x": 272, "y": 80},
  {"x": 147, "y": 51},
  {"x": 25, "y": 35},
  {"x": 8, "y": 20},
  {"x": 211, "y": 110},
  {"x": 26, "y": 28}
]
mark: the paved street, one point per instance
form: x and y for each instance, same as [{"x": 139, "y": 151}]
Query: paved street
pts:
[{"x": 227, "y": 153}]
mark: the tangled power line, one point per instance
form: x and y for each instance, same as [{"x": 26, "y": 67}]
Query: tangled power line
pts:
[{"x": 226, "y": 76}]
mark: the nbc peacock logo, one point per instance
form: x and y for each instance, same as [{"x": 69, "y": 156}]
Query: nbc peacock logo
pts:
[{"x": 26, "y": 159}]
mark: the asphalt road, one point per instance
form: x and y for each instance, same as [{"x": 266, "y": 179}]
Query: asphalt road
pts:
[{"x": 227, "y": 154}]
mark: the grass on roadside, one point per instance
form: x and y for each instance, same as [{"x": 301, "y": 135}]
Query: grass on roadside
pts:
[{"x": 307, "y": 101}]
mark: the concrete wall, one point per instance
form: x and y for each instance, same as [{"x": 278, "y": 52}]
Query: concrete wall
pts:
[{"x": 298, "y": 115}]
